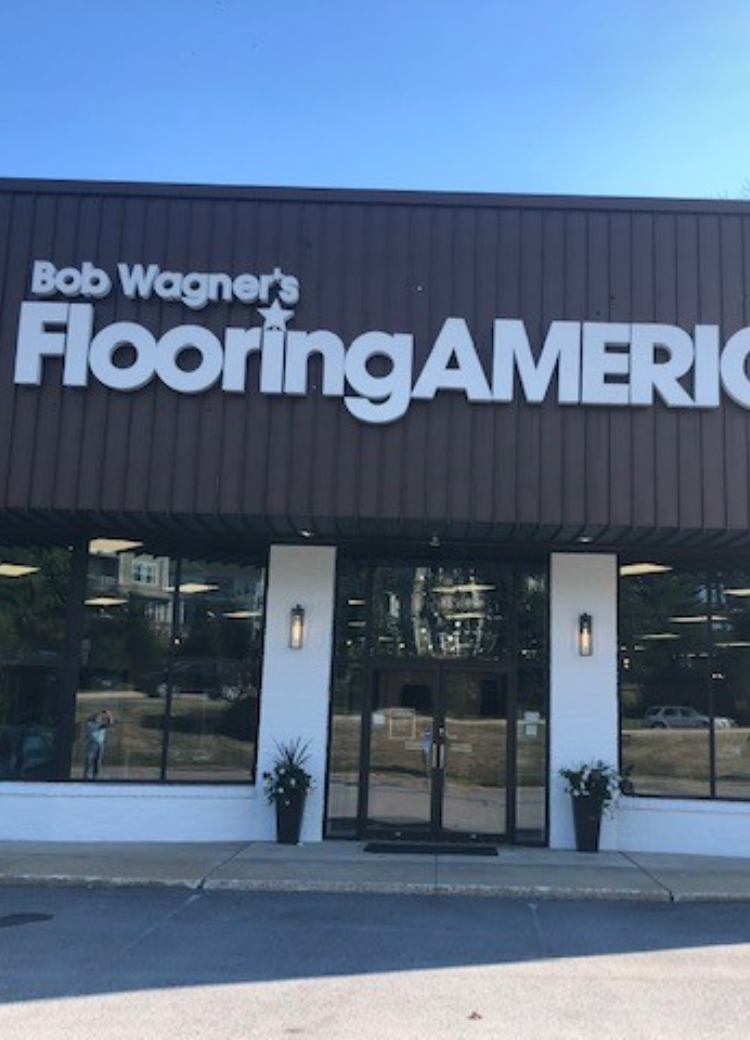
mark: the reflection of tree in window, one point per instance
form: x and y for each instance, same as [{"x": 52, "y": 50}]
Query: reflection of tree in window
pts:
[
  {"x": 32, "y": 607},
  {"x": 33, "y": 598}
]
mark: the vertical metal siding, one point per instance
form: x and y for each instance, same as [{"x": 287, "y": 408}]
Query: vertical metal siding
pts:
[{"x": 397, "y": 266}]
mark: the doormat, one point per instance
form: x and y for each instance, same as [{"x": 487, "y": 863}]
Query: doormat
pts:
[{"x": 427, "y": 849}]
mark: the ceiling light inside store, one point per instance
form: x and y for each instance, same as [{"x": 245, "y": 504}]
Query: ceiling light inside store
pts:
[
  {"x": 191, "y": 587},
  {"x": 105, "y": 601},
  {"x": 732, "y": 645},
  {"x": 241, "y": 615},
  {"x": 16, "y": 570},
  {"x": 466, "y": 586},
  {"x": 111, "y": 545},
  {"x": 660, "y": 635},
  {"x": 471, "y": 615},
  {"x": 630, "y": 570},
  {"x": 737, "y": 592},
  {"x": 356, "y": 602}
]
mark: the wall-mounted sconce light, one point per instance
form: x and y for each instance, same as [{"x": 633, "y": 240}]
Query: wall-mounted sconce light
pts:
[
  {"x": 585, "y": 635},
  {"x": 297, "y": 627}
]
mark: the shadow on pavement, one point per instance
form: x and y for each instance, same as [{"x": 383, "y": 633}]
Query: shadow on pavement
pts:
[{"x": 64, "y": 942}]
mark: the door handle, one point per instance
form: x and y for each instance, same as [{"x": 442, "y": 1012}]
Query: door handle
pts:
[
  {"x": 441, "y": 756},
  {"x": 435, "y": 756}
]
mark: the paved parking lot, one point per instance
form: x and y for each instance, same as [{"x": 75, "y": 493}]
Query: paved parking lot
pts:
[{"x": 170, "y": 963}]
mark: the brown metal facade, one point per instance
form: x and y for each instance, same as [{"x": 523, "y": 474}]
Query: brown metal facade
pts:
[{"x": 396, "y": 262}]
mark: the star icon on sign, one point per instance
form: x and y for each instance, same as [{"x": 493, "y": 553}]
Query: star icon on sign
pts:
[{"x": 275, "y": 316}]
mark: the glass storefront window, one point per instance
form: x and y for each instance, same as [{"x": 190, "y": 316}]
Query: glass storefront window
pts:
[
  {"x": 213, "y": 718},
  {"x": 121, "y": 695},
  {"x": 345, "y": 743},
  {"x": 665, "y": 627},
  {"x": 352, "y": 611},
  {"x": 33, "y": 597},
  {"x": 531, "y": 614},
  {"x": 169, "y": 675},
  {"x": 441, "y": 611},
  {"x": 730, "y": 684},
  {"x": 531, "y": 754},
  {"x": 168, "y": 664}
]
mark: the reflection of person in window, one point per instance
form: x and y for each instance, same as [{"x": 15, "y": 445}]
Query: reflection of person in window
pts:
[
  {"x": 427, "y": 749},
  {"x": 97, "y": 728}
]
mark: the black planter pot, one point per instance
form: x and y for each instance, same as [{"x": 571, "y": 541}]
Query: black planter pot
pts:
[
  {"x": 289, "y": 819},
  {"x": 587, "y": 816}
]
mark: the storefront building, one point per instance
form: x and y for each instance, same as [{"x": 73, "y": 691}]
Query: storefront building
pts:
[{"x": 453, "y": 489}]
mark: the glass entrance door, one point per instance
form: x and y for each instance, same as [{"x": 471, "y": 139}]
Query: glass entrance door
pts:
[
  {"x": 401, "y": 777},
  {"x": 473, "y": 773},
  {"x": 438, "y": 761}
]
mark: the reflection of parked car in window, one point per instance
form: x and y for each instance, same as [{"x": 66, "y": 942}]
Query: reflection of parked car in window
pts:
[
  {"x": 28, "y": 695},
  {"x": 26, "y": 752},
  {"x": 676, "y": 716},
  {"x": 216, "y": 680}
]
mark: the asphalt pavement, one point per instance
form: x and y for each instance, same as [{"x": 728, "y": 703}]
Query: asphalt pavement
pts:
[{"x": 137, "y": 964}]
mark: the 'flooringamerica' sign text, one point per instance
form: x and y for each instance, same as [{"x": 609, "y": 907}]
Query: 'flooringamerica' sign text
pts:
[{"x": 583, "y": 363}]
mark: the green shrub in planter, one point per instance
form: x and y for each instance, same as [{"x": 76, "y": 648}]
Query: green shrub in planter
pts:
[
  {"x": 286, "y": 786},
  {"x": 593, "y": 787}
]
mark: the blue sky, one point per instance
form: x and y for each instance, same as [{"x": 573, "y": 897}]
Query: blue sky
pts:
[{"x": 640, "y": 97}]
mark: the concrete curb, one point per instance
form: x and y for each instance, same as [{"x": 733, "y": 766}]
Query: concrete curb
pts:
[
  {"x": 84, "y": 881},
  {"x": 531, "y": 892},
  {"x": 539, "y": 892}
]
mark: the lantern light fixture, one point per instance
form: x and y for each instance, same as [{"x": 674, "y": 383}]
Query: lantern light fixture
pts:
[
  {"x": 585, "y": 635},
  {"x": 297, "y": 627}
]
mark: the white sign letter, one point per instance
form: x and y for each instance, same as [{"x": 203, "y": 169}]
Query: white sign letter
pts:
[
  {"x": 734, "y": 367},
  {"x": 648, "y": 373},
  {"x": 562, "y": 348},
  {"x": 454, "y": 341},
  {"x": 36, "y": 340},
  {"x": 388, "y": 395},
  {"x": 105, "y": 345},
  {"x": 598, "y": 363}
]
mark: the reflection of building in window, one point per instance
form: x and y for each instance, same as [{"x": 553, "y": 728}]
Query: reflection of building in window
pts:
[
  {"x": 145, "y": 572},
  {"x": 452, "y": 612},
  {"x": 142, "y": 569}
]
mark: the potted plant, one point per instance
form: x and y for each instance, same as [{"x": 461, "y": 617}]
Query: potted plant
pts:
[
  {"x": 593, "y": 787},
  {"x": 286, "y": 786}
]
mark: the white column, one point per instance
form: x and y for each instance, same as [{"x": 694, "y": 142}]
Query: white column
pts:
[
  {"x": 296, "y": 683},
  {"x": 583, "y": 690}
]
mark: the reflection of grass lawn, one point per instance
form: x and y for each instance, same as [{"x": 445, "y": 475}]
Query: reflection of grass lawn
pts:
[
  {"x": 134, "y": 743},
  {"x": 672, "y": 760},
  {"x": 479, "y": 756}
]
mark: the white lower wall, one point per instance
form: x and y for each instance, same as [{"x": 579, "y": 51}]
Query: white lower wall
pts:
[
  {"x": 710, "y": 828},
  {"x": 126, "y": 812}
]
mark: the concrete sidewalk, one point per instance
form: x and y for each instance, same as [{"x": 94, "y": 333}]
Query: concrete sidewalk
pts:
[{"x": 345, "y": 867}]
